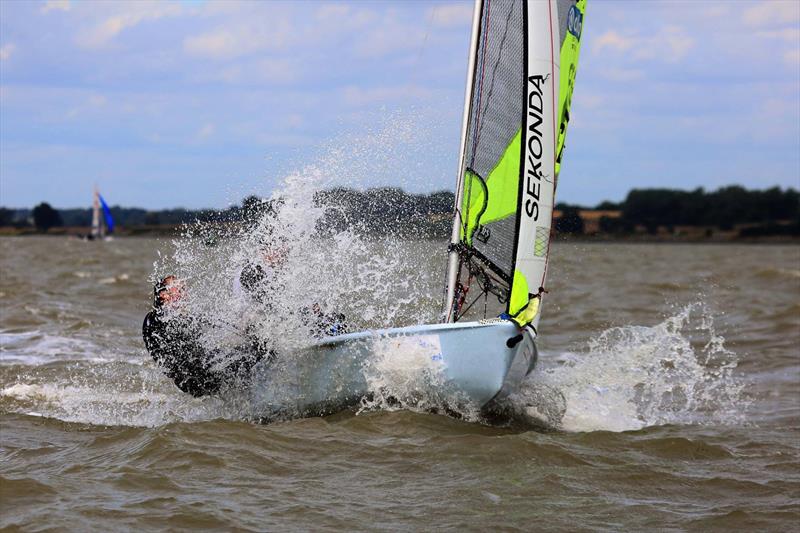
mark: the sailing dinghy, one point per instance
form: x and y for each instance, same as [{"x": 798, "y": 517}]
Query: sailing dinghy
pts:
[
  {"x": 102, "y": 227},
  {"x": 522, "y": 63}
]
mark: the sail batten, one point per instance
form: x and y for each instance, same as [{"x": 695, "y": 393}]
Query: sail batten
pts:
[{"x": 523, "y": 65}]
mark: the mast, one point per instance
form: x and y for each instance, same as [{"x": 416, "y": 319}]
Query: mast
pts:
[{"x": 453, "y": 258}]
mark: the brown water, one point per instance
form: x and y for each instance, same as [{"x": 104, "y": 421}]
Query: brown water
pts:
[{"x": 680, "y": 366}]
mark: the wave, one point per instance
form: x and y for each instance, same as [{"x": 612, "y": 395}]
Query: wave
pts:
[
  {"x": 105, "y": 405},
  {"x": 34, "y": 348},
  {"x": 779, "y": 273},
  {"x": 628, "y": 378}
]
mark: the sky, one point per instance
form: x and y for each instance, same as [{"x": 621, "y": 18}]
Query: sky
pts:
[{"x": 198, "y": 103}]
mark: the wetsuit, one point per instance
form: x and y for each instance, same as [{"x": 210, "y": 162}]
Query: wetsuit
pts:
[
  {"x": 326, "y": 324},
  {"x": 260, "y": 283},
  {"x": 174, "y": 345},
  {"x": 256, "y": 282}
]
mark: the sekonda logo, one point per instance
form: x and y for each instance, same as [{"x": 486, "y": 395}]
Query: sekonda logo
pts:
[{"x": 575, "y": 22}]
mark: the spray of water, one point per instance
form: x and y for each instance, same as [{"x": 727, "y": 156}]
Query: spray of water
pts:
[
  {"x": 311, "y": 266},
  {"x": 676, "y": 372},
  {"x": 340, "y": 271},
  {"x": 401, "y": 374}
]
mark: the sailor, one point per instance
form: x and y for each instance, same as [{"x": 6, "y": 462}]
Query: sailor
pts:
[
  {"x": 326, "y": 324},
  {"x": 172, "y": 338},
  {"x": 260, "y": 280}
]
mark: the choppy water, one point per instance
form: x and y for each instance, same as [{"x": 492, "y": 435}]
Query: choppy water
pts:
[{"x": 679, "y": 364}]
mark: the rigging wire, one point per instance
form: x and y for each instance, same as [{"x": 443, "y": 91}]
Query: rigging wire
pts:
[{"x": 415, "y": 71}]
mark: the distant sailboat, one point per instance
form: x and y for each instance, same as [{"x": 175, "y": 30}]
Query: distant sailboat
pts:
[{"x": 102, "y": 227}]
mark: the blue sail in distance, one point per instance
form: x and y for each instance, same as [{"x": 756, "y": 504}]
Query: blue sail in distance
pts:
[{"x": 107, "y": 215}]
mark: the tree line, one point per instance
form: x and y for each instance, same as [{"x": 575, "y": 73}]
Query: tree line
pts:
[
  {"x": 775, "y": 210},
  {"x": 378, "y": 210},
  {"x": 385, "y": 210},
  {"x": 723, "y": 208}
]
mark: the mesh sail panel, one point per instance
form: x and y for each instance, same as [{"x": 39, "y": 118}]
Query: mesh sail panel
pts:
[{"x": 492, "y": 143}]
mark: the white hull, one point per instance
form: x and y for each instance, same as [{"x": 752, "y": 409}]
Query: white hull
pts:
[{"x": 468, "y": 361}]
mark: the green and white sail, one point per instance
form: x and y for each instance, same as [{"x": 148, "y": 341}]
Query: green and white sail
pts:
[{"x": 523, "y": 59}]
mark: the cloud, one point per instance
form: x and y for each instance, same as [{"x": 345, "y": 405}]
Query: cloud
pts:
[
  {"x": 97, "y": 100},
  {"x": 6, "y": 50},
  {"x": 622, "y": 75},
  {"x": 613, "y": 40},
  {"x": 332, "y": 11},
  {"x": 133, "y": 14},
  {"x": 592, "y": 101},
  {"x": 342, "y": 18},
  {"x": 244, "y": 39},
  {"x": 358, "y": 96},
  {"x": 669, "y": 44},
  {"x": 294, "y": 120},
  {"x": 205, "y": 132},
  {"x": 790, "y": 35},
  {"x": 274, "y": 71},
  {"x": 367, "y": 32},
  {"x": 283, "y": 139},
  {"x": 287, "y": 74},
  {"x": 714, "y": 11},
  {"x": 55, "y": 5},
  {"x": 277, "y": 70},
  {"x": 219, "y": 44},
  {"x": 91, "y": 102},
  {"x": 447, "y": 16},
  {"x": 389, "y": 36},
  {"x": 775, "y": 12}
]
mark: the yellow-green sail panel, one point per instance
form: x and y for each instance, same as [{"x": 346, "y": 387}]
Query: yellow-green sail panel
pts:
[
  {"x": 495, "y": 198},
  {"x": 570, "y": 50}
]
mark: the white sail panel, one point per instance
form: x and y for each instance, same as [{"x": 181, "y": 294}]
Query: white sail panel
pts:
[{"x": 539, "y": 156}]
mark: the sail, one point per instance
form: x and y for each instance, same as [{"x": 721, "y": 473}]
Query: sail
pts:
[
  {"x": 523, "y": 63},
  {"x": 107, "y": 215},
  {"x": 95, "y": 215}
]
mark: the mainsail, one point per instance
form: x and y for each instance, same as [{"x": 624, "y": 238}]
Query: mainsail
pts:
[
  {"x": 96, "y": 229},
  {"x": 523, "y": 59}
]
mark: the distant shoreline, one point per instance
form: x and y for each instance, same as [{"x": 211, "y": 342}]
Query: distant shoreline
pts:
[
  {"x": 729, "y": 214},
  {"x": 176, "y": 231}
]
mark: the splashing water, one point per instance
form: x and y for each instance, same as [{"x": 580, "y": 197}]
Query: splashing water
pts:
[
  {"x": 631, "y": 377},
  {"x": 100, "y": 396},
  {"x": 345, "y": 271},
  {"x": 676, "y": 372},
  {"x": 401, "y": 374},
  {"x": 342, "y": 272}
]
